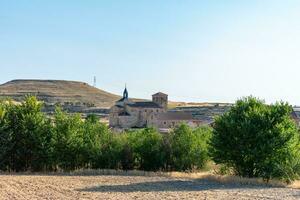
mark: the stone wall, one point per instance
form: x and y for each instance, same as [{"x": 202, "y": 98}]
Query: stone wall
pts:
[
  {"x": 166, "y": 124},
  {"x": 114, "y": 116},
  {"x": 161, "y": 100},
  {"x": 127, "y": 121}
]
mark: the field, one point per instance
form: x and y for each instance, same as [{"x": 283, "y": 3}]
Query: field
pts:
[{"x": 132, "y": 187}]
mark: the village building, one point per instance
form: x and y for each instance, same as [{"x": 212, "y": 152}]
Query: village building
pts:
[
  {"x": 127, "y": 114},
  {"x": 296, "y": 115}
]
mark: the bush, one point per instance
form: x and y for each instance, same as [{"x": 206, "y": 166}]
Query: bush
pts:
[
  {"x": 91, "y": 143},
  {"x": 257, "y": 140},
  {"x": 147, "y": 146},
  {"x": 189, "y": 147},
  {"x": 25, "y": 136},
  {"x": 110, "y": 151},
  {"x": 29, "y": 140}
]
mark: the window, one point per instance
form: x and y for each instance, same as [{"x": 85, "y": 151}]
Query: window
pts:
[{"x": 165, "y": 123}]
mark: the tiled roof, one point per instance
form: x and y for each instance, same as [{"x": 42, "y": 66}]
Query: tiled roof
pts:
[
  {"x": 175, "y": 116},
  {"x": 145, "y": 104}
]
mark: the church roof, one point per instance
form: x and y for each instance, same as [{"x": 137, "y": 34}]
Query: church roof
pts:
[
  {"x": 125, "y": 95},
  {"x": 159, "y": 94},
  {"x": 144, "y": 104},
  {"x": 175, "y": 116},
  {"x": 122, "y": 99}
]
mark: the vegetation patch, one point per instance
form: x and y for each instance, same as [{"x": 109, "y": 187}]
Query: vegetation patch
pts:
[{"x": 30, "y": 141}]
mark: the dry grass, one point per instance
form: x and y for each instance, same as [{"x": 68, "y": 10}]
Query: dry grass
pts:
[
  {"x": 208, "y": 175},
  {"x": 58, "y": 91},
  {"x": 295, "y": 185},
  {"x": 111, "y": 184}
]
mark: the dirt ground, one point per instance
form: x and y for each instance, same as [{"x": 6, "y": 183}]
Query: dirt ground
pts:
[{"x": 132, "y": 187}]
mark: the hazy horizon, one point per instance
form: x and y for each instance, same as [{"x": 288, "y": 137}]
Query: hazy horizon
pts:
[{"x": 195, "y": 51}]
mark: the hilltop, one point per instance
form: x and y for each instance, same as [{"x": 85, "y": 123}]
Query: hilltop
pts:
[
  {"x": 74, "y": 96},
  {"x": 58, "y": 92}
]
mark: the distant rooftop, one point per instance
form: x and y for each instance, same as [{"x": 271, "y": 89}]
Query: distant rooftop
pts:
[
  {"x": 145, "y": 104},
  {"x": 297, "y": 109},
  {"x": 159, "y": 94},
  {"x": 175, "y": 116}
]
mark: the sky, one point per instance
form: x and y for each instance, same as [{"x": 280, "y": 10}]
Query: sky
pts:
[{"x": 193, "y": 50}]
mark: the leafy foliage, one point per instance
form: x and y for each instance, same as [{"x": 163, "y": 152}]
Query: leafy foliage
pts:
[
  {"x": 25, "y": 136},
  {"x": 29, "y": 140},
  {"x": 189, "y": 147},
  {"x": 257, "y": 140},
  {"x": 147, "y": 145}
]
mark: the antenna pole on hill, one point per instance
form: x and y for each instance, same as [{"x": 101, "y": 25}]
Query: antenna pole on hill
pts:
[{"x": 95, "y": 81}]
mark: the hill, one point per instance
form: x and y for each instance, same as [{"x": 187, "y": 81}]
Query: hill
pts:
[
  {"x": 58, "y": 92},
  {"x": 74, "y": 96}
]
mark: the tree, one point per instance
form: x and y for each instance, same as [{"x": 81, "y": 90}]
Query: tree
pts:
[
  {"x": 92, "y": 118},
  {"x": 189, "y": 147},
  {"x": 127, "y": 153},
  {"x": 5, "y": 139},
  {"x": 257, "y": 140},
  {"x": 25, "y": 136},
  {"x": 68, "y": 140},
  {"x": 92, "y": 132},
  {"x": 110, "y": 151},
  {"x": 147, "y": 149}
]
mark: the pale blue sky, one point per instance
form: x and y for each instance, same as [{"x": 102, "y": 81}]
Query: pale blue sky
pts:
[{"x": 213, "y": 50}]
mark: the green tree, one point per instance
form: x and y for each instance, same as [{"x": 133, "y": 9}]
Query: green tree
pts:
[
  {"x": 257, "y": 140},
  {"x": 5, "y": 139},
  {"x": 92, "y": 118},
  {"x": 148, "y": 148},
  {"x": 25, "y": 136},
  {"x": 90, "y": 150},
  {"x": 68, "y": 140},
  {"x": 110, "y": 151},
  {"x": 127, "y": 155},
  {"x": 189, "y": 147}
]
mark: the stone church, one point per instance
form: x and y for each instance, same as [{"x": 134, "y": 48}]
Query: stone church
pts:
[{"x": 128, "y": 114}]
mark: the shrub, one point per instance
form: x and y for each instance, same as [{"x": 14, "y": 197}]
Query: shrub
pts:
[
  {"x": 110, "y": 151},
  {"x": 5, "y": 139},
  {"x": 147, "y": 146},
  {"x": 68, "y": 140},
  {"x": 126, "y": 157},
  {"x": 257, "y": 140},
  {"x": 189, "y": 147},
  {"x": 25, "y": 136},
  {"x": 91, "y": 143},
  {"x": 29, "y": 140}
]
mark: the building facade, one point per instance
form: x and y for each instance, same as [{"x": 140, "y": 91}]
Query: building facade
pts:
[{"x": 128, "y": 114}]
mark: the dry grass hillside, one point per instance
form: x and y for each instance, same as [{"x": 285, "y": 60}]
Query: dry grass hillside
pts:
[
  {"x": 80, "y": 97},
  {"x": 58, "y": 91}
]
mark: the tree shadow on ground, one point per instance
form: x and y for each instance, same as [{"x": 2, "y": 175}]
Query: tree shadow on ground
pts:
[{"x": 170, "y": 185}]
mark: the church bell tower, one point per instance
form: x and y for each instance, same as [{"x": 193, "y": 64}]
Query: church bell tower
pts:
[{"x": 161, "y": 99}]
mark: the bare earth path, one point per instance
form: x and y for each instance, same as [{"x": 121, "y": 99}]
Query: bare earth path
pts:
[{"x": 131, "y": 187}]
